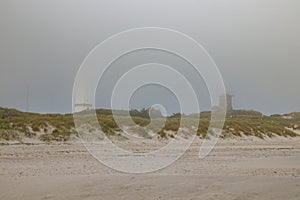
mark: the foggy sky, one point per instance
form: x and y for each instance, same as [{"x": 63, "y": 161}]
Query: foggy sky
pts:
[{"x": 255, "y": 44}]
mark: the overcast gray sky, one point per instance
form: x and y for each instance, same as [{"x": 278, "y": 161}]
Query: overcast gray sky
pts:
[{"x": 255, "y": 43}]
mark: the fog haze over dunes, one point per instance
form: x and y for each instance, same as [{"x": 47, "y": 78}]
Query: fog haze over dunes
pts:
[{"x": 255, "y": 44}]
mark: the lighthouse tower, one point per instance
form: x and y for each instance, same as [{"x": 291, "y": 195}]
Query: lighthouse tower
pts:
[
  {"x": 83, "y": 99},
  {"x": 228, "y": 99}
]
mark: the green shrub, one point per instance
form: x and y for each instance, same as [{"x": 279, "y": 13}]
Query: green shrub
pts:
[
  {"x": 30, "y": 134},
  {"x": 162, "y": 134},
  {"x": 46, "y": 137},
  {"x": 9, "y": 135}
]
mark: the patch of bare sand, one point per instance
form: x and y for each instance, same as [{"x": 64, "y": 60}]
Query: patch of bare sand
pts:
[{"x": 246, "y": 168}]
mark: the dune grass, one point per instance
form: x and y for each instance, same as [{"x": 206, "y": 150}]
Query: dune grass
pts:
[{"x": 14, "y": 124}]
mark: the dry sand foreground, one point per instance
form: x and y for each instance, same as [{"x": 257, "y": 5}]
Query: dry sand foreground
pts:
[{"x": 235, "y": 169}]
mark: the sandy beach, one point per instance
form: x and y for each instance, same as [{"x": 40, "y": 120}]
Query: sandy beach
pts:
[
  {"x": 246, "y": 168},
  {"x": 149, "y": 100}
]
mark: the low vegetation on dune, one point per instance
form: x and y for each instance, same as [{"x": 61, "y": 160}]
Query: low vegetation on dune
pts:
[
  {"x": 240, "y": 123},
  {"x": 17, "y": 126}
]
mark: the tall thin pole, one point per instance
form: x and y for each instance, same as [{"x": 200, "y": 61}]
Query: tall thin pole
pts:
[{"x": 27, "y": 97}]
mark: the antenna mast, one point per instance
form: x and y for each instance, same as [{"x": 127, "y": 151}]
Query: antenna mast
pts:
[{"x": 27, "y": 97}]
